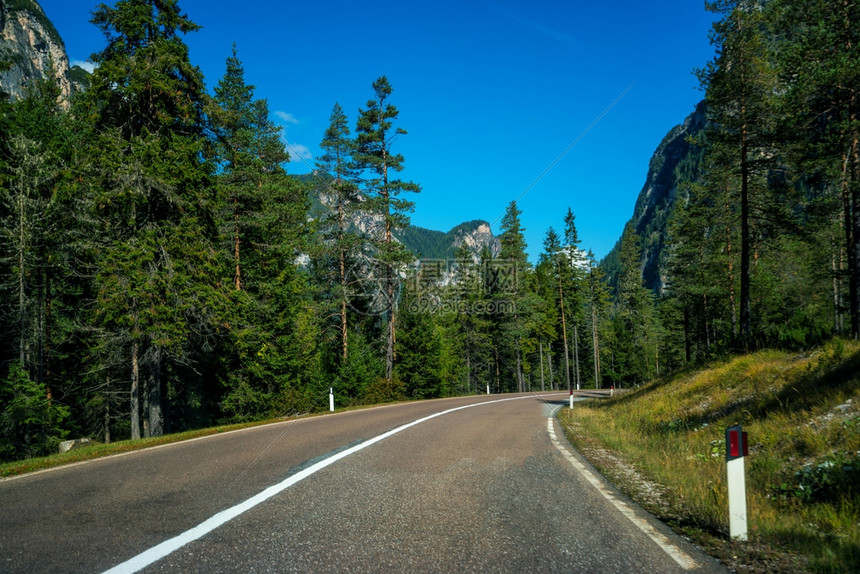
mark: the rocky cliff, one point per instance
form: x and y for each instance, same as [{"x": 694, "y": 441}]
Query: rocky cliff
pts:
[
  {"x": 675, "y": 161},
  {"x": 431, "y": 244},
  {"x": 30, "y": 46},
  {"x": 424, "y": 243}
]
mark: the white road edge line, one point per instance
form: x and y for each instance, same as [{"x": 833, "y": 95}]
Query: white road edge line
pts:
[
  {"x": 660, "y": 539},
  {"x": 167, "y": 547}
]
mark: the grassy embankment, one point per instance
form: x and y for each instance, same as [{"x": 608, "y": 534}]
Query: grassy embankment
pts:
[{"x": 663, "y": 444}]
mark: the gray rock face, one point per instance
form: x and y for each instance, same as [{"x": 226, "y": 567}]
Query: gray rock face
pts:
[
  {"x": 674, "y": 162},
  {"x": 31, "y": 45},
  {"x": 476, "y": 239}
]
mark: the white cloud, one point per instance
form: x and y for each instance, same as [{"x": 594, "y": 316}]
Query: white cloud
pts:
[
  {"x": 298, "y": 152},
  {"x": 88, "y": 66},
  {"x": 287, "y": 118}
]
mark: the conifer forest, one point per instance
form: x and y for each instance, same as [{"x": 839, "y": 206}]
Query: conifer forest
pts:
[{"x": 161, "y": 270}]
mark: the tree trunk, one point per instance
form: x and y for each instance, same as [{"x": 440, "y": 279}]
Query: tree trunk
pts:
[
  {"x": 731, "y": 278},
  {"x": 707, "y": 324},
  {"x": 156, "y": 414},
  {"x": 389, "y": 273},
  {"x": 836, "y": 272},
  {"x": 498, "y": 373},
  {"x": 47, "y": 344},
  {"x": 576, "y": 353},
  {"x": 687, "y": 353},
  {"x": 540, "y": 350},
  {"x": 851, "y": 195},
  {"x": 135, "y": 391},
  {"x": 549, "y": 366},
  {"x": 854, "y": 262},
  {"x": 848, "y": 229},
  {"x": 22, "y": 251},
  {"x": 468, "y": 370},
  {"x": 746, "y": 311},
  {"x": 236, "y": 242},
  {"x": 342, "y": 254},
  {"x": 520, "y": 381},
  {"x": 564, "y": 336},
  {"x": 107, "y": 410},
  {"x": 596, "y": 347}
]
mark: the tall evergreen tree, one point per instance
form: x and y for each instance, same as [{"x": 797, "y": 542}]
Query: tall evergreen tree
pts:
[
  {"x": 597, "y": 296},
  {"x": 817, "y": 59},
  {"x": 511, "y": 281},
  {"x": 338, "y": 231},
  {"x": 558, "y": 263},
  {"x": 152, "y": 194},
  {"x": 32, "y": 217},
  {"x": 249, "y": 150},
  {"x": 262, "y": 212},
  {"x": 573, "y": 272},
  {"x": 635, "y": 342},
  {"x": 739, "y": 85},
  {"x": 378, "y": 164}
]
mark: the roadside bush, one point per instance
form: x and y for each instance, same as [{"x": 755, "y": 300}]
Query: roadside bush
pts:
[{"x": 30, "y": 423}]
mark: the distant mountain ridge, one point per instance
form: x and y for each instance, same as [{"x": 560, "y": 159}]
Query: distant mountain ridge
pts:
[
  {"x": 430, "y": 244},
  {"x": 423, "y": 243}
]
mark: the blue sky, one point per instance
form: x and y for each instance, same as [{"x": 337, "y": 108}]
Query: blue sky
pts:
[{"x": 491, "y": 93}]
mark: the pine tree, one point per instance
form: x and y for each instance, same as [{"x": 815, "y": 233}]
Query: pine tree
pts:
[
  {"x": 510, "y": 280},
  {"x": 33, "y": 217},
  {"x": 597, "y": 295},
  {"x": 739, "y": 85},
  {"x": 819, "y": 49},
  {"x": 377, "y": 164},
  {"x": 633, "y": 318},
  {"x": 573, "y": 274},
  {"x": 152, "y": 194},
  {"x": 270, "y": 349},
  {"x": 557, "y": 261},
  {"x": 337, "y": 229},
  {"x": 250, "y": 152}
]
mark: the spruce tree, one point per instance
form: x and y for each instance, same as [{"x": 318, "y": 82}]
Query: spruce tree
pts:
[
  {"x": 511, "y": 283},
  {"x": 153, "y": 196},
  {"x": 268, "y": 354},
  {"x": 250, "y": 153},
  {"x": 558, "y": 264}
]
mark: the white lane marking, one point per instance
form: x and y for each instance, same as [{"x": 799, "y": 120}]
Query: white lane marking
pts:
[
  {"x": 660, "y": 539},
  {"x": 167, "y": 547}
]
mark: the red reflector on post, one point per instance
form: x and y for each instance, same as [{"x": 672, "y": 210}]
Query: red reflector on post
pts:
[{"x": 736, "y": 443}]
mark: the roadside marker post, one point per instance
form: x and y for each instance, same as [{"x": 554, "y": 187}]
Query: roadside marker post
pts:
[
  {"x": 331, "y": 399},
  {"x": 571, "y": 398},
  {"x": 736, "y": 449},
  {"x": 488, "y": 388}
]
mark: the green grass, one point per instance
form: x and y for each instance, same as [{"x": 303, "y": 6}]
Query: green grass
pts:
[{"x": 803, "y": 472}]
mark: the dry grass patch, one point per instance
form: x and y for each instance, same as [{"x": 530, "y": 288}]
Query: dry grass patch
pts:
[{"x": 803, "y": 473}]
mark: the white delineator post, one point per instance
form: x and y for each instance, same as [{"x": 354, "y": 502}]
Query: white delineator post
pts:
[
  {"x": 736, "y": 450},
  {"x": 571, "y": 398},
  {"x": 488, "y": 389},
  {"x": 331, "y": 399}
]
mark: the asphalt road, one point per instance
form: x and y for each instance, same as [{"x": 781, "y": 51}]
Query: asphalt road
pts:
[{"x": 419, "y": 487}]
